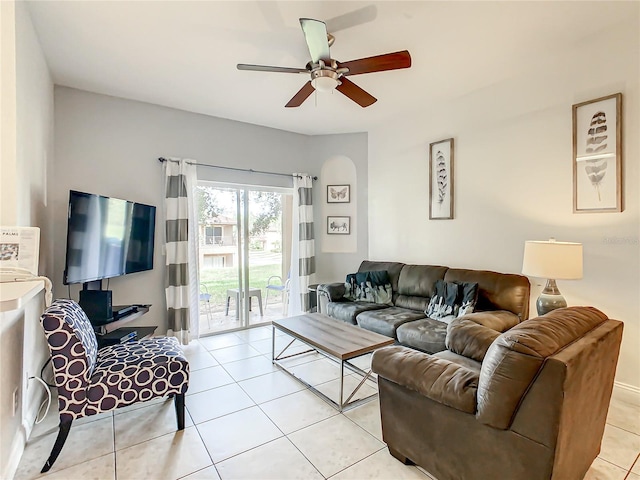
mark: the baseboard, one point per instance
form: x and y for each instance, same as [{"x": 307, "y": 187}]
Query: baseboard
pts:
[
  {"x": 627, "y": 393},
  {"x": 17, "y": 449}
]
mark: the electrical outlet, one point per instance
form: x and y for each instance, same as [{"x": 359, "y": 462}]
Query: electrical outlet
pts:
[{"x": 16, "y": 397}]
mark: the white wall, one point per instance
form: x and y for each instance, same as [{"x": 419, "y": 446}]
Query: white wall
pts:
[
  {"x": 8, "y": 209},
  {"x": 513, "y": 179},
  {"x": 110, "y": 146},
  {"x": 27, "y": 144}
]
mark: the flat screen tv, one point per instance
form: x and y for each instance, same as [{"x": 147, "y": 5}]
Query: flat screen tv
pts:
[{"x": 107, "y": 237}]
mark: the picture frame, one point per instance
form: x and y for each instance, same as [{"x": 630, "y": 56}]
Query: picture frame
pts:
[
  {"x": 338, "y": 225},
  {"x": 441, "y": 178},
  {"x": 338, "y": 193},
  {"x": 597, "y": 155}
]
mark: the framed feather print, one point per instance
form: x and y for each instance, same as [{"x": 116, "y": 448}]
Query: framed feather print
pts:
[
  {"x": 441, "y": 180},
  {"x": 338, "y": 193},
  {"x": 597, "y": 155}
]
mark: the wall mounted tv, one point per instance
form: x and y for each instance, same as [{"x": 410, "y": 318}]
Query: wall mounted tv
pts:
[{"x": 107, "y": 237}]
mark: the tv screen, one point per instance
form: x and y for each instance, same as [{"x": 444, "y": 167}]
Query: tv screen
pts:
[{"x": 107, "y": 237}]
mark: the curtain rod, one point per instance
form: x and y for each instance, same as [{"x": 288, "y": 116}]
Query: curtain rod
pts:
[{"x": 250, "y": 170}]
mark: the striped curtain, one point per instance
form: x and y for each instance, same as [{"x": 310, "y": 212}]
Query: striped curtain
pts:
[
  {"x": 181, "y": 254},
  {"x": 303, "y": 260}
]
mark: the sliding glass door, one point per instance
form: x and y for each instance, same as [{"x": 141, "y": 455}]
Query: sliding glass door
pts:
[{"x": 244, "y": 255}]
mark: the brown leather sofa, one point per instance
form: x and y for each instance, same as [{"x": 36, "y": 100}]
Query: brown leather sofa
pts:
[
  {"x": 506, "y": 296},
  {"x": 527, "y": 404}
]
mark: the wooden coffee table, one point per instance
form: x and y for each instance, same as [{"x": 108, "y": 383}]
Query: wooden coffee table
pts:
[{"x": 334, "y": 339}]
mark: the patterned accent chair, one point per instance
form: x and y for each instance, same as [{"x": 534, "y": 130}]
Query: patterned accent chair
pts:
[{"x": 92, "y": 381}]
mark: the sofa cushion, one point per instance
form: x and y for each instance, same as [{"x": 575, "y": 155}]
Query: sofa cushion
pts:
[
  {"x": 515, "y": 357},
  {"x": 497, "y": 291},
  {"x": 498, "y": 320},
  {"x": 416, "y": 285},
  {"x": 425, "y": 334},
  {"x": 347, "y": 311},
  {"x": 386, "y": 321},
  {"x": 469, "y": 363}
]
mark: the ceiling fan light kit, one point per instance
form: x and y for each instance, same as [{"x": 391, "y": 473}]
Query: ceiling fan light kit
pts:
[
  {"x": 328, "y": 74},
  {"x": 325, "y": 80}
]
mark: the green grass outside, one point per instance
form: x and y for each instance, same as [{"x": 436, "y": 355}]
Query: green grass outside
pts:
[{"x": 219, "y": 280}]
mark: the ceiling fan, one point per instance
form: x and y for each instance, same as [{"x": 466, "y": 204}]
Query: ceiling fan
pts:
[{"x": 327, "y": 73}]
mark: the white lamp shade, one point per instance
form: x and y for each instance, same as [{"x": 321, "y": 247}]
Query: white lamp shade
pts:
[{"x": 552, "y": 260}]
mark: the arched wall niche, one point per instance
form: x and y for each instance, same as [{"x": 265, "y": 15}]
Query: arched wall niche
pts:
[{"x": 339, "y": 170}]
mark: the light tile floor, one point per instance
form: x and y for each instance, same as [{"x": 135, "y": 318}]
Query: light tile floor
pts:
[{"x": 248, "y": 420}]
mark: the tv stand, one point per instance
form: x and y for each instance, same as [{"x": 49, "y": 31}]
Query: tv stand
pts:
[{"x": 110, "y": 333}]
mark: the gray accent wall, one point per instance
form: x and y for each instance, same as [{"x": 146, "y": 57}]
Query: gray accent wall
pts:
[
  {"x": 331, "y": 267},
  {"x": 110, "y": 146}
]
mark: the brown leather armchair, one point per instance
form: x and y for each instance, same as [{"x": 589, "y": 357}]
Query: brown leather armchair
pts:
[{"x": 527, "y": 404}]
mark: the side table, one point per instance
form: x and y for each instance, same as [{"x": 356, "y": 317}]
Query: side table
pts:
[{"x": 234, "y": 292}]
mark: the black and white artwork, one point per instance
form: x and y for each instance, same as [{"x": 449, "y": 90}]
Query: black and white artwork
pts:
[
  {"x": 338, "y": 194},
  {"x": 339, "y": 225},
  {"x": 597, "y": 155},
  {"x": 441, "y": 180}
]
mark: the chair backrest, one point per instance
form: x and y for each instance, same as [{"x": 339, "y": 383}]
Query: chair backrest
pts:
[
  {"x": 74, "y": 349},
  {"x": 514, "y": 360},
  {"x": 205, "y": 296}
]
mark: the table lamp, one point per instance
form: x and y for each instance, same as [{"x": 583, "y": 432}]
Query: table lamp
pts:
[{"x": 554, "y": 261}]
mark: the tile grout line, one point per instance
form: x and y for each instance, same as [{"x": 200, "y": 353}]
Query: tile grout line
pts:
[
  {"x": 115, "y": 459},
  {"x": 291, "y": 441},
  {"x": 213, "y": 464},
  {"x": 631, "y": 468}
]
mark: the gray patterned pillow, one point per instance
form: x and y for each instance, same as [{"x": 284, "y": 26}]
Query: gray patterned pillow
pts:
[
  {"x": 372, "y": 287},
  {"x": 452, "y": 300}
]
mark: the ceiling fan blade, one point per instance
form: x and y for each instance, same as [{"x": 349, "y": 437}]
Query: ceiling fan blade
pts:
[
  {"x": 379, "y": 63},
  {"x": 267, "y": 68},
  {"x": 355, "y": 93},
  {"x": 301, "y": 96},
  {"x": 315, "y": 33},
  {"x": 351, "y": 19}
]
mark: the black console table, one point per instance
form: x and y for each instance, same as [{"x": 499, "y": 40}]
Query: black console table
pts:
[{"x": 113, "y": 332}]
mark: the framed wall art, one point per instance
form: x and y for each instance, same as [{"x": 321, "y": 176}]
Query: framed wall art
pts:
[
  {"x": 339, "y": 225},
  {"x": 441, "y": 180},
  {"x": 338, "y": 193},
  {"x": 597, "y": 155}
]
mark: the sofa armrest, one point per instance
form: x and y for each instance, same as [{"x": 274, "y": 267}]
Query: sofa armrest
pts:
[
  {"x": 469, "y": 339},
  {"x": 499, "y": 320},
  {"x": 333, "y": 291},
  {"x": 437, "y": 379}
]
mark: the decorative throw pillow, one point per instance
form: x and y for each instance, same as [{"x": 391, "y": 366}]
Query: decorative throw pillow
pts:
[
  {"x": 468, "y": 298},
  {"x": 372, "y": 287},
  {"x": 352, "y": 289},
  {"x": 452, "y": 300},
  {"x": 377, "y": 287},
  {"x": 442, "y": 305}
]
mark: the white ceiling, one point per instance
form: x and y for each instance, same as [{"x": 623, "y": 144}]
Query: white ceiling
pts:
[{"x": 183, "y": 54}]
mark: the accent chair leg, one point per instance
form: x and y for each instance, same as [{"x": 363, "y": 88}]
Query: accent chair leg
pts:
[
  {"x": 57, "y": 447},
  {"x": 398, "y": 456},
  {"x": 178, "y": 400}
]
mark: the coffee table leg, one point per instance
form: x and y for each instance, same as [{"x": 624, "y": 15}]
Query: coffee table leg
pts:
[
  {"x": 273, "y": 344},
  {"x": 341, "y": 382}
]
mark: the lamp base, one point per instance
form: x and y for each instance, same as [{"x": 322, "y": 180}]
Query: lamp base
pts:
[{"x": 550, "y": 299}]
